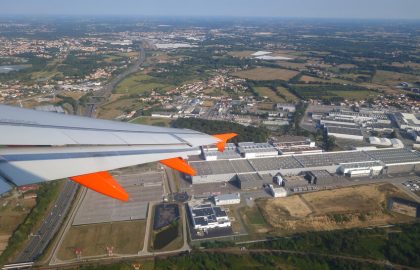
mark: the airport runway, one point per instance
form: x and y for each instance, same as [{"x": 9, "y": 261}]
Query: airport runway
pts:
[{"x": 50, "y": 226}]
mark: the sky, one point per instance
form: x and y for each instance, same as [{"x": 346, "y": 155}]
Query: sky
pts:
[{"x": 367, "y": 9}]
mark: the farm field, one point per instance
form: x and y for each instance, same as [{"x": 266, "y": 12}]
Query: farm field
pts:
[
  {"x": 333, "y": 91},
  {"x": 389, "y": 78},
  {"x": 270, "y": 94},
  {"x": 266, "y": 74},
  {"x": 139, "y": 83},
  {"x": 117, "y": 105},
  {"x": 350, "y": 207},
  {"x": 286, "y": 94},
  {"x": 126, "y": 237}
]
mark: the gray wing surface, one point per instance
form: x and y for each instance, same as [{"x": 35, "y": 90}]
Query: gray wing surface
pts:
[{"x": 41, "y": 146}]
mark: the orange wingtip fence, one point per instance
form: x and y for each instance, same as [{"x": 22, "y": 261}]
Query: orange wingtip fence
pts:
[
  {"x": 103, "y": 183},
  {"x": 178, "y": 164},
  {"x": 224, "y": 138}
]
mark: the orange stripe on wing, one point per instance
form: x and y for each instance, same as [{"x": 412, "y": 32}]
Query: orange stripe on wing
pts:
[
  {"x": 178, "y": 164},
  {"x": 103, "y": 183},
  {"x": 224, "y": 138}
]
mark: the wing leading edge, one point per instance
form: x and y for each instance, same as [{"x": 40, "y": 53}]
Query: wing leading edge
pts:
[{"x": 39, "y": 146}]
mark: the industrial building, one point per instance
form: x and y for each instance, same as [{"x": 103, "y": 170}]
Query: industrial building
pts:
[
  {"x": 289, "y": 145},
  {"x": 252, "y": 150},
  {"x": 363, "y": 116},
  {"x": 207, "y": 216},
  {"x": 349, "y": 133},
  {"x": 407, "y": 121},
  {"x": 380, "y": 141},
  {"x": 227, "y": 199},
  {"x": 248, "y": 181},
  {"x": 359, "y": 169},
  {"x": 277, "y": 192},
  {"x": 250, "y": 173},
  {"x": 211, "y": 153}
]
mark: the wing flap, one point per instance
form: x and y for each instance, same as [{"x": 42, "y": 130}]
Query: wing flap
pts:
[
  {"x": 103, "y": 183},
  {"x": 179, "y": 164}
]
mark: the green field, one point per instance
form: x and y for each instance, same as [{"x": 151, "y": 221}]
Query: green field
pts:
[
  {"x": 148, "y": 120},
  {"x": 332, "y": 92},
  {"x": 270, "y": 94},
  {"x": 139, "y": 83},
  {"x": 127, "y": 237}
]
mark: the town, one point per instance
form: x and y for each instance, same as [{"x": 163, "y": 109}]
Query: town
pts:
[{"x": 328, "y": 139}]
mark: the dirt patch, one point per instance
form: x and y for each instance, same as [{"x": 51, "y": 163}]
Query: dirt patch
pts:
[{"x": 359, "y": 206}]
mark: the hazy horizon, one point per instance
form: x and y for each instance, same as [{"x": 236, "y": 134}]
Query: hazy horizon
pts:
[{"x": 322, "y": 9}]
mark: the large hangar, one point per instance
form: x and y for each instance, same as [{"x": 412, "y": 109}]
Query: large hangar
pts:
[{"x": 392, "y": 161}]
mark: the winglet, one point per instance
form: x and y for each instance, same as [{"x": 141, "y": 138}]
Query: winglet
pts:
[
  {"x": 179, "y": 164},
  {"x": 103, "y": 183},
  {"x": 224, "y": 138}
]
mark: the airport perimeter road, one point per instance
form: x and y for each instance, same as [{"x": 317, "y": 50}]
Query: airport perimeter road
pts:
[{"x": 50, "y": 226}]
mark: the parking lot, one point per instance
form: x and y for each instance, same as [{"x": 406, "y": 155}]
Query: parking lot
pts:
[
  {"x": 142, "y": 188},
  {"x": 413, "y": 185}
]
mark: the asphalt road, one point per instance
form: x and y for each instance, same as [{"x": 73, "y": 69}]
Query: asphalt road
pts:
[
  {"x": 39, "y": 241},
  {"x": 102, "y": 94}
]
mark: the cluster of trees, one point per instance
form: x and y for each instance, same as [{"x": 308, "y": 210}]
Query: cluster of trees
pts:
[
  {"x": 257, "y": 260},
  {"x": 249, "y": 133},
  {"x": 77, "y": 66},
  {"x": 36, "y": 64},
  {"x": 399, "y": 245}
]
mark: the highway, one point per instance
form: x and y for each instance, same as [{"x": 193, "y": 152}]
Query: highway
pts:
[
  {"x": 102, "y": 94},
  {"x": 39, "y": 241}
]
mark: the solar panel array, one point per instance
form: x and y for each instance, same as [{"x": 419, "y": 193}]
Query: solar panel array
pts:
[{"x": 395, "y": 156}]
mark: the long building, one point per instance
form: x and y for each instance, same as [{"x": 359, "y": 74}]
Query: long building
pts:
[{"x": 393, "y": 161}]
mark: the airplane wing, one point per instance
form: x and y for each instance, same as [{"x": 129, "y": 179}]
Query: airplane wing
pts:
[{"x": 40, "y": 146}]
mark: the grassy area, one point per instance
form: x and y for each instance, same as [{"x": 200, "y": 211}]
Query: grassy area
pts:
[
  {"x": 153, "y": 121},
  {"x": 390, "y": 78},
  {"x": 47, "y": 194},
  {"x": 117, "y": 105},
  {"x": 127, "y": 237},
  {"x": 270, "y": 94},
  {"x": 335, "y": 92},
  {"x": 139, "y": 83},
  {"x": 254, "y": 221},
  {"x": 266, "y": 74}
]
